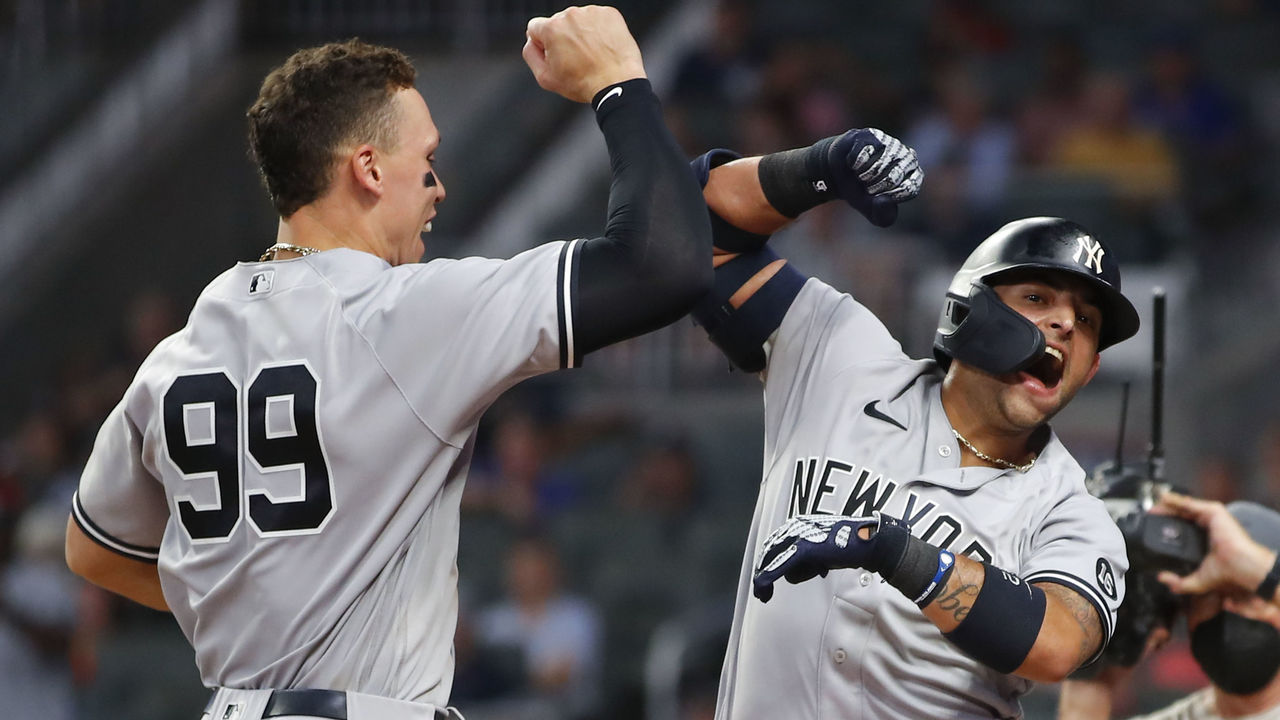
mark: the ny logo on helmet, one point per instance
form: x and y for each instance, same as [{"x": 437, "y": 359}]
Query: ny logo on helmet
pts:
[{"x": 1092, "y": 251}]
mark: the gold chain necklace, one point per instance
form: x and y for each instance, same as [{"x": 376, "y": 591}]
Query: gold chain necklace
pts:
[
  {"x": 272, "y": 251},
  {"x": 998, "y": 461}
]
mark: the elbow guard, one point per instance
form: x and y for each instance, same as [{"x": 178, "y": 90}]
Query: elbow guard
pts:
[
  {"x": 710, "y": 160},
  {"x": 741, "y": 333},
  {"x": 1003, "y": 623},
  {"x": 724, "y": 235}
]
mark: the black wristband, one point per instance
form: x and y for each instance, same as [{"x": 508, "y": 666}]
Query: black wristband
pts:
[
  {"x": 891, "y": 540},
  {"x": 614, "y": 98},
  {"x": 1003, "y": 623},
  {"x": 1268, "y": 587},
  {"x": 913, "y": 566},
  {"x": 796, "y": 180}
]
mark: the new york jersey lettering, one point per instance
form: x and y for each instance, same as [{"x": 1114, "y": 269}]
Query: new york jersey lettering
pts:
[{"x": 829, "y": 486}]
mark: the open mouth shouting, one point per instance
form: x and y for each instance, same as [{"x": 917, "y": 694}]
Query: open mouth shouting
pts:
[{"x": 1046, "y": 373}]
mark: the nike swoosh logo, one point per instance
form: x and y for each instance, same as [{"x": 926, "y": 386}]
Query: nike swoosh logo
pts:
[
  {"x": 871, "y": 410},
  {"x": 614, "y": 92}
]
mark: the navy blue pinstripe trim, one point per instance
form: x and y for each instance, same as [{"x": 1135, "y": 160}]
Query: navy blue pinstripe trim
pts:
[
  {"x": 108, "y": 541},
  {"x": 560, "y": 306},
  {"x": 575, "y": 262},
  {"x": 566, "y": 290}
]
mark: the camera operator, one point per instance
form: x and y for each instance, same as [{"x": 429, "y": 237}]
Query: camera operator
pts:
[
  {"x": 1236, "y": 561},
  {"x": 1235, "y": 634}
]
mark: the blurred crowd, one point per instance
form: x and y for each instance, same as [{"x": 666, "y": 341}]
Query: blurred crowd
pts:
[
  {"x": 583, "y": 535},
  {"x": 1122, "y": 128}
]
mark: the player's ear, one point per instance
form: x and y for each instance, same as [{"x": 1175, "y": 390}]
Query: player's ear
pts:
[
  {"x": 365, "y": 169},
  {"x": 1097, "y": 361}
]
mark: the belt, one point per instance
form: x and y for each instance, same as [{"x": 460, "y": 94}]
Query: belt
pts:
[
  {"x": 315, "y": 703},
  {"x": 330, "y": 704}
]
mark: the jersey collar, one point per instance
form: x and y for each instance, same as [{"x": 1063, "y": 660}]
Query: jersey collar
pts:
[{"x": 941, "y": 464}]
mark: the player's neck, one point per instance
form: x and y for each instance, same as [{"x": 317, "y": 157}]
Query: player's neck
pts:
[
  {"x": 325, "y": 226},
  {"x": 971, "y": 421},
  {"x": 1238, "y": 706}
]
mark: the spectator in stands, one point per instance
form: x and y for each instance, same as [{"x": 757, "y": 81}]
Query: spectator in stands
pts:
[
  {"x": 1056, "y": 105},
  {"x": 1267, "y": 463},
  {"x": 761, "y": 123},
  {"x": 960, "y": 30},
  {"x": 515, "y": 480},
  {"x": 1198, "y": 117},
  {"x": 1136, "y": 161},
  {"x": 38, "y": 612},
  {"x": 42, "y": 459},
  {"x": 716, "y": 78},
  {"x": 663, "y": 483},
  {"x": 969, "y": 153},
  {"x": 481, "y": 673},
  {"x": 1218, "y": 478},
  {"x": 557, "y": 633},
  {"x": 150, "y": 319}
]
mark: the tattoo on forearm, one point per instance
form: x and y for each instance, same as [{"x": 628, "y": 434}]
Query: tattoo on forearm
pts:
[
  {"x": 1085, "y": 615},
  {"x": 958, "y": 601}
]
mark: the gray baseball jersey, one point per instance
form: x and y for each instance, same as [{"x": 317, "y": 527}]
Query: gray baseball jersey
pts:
[
  {"x": 852, "y": 425},
  {"x": 293, "y": 459}
]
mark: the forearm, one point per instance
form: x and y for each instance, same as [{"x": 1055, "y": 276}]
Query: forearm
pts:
[
  {"x": 953, "y": 603},
  {"x": 1257, "y": 562},
  {"x": 1039, "y": 632},
  {"x": 653, "y": 262},
  {"x": 139, "y": 581},
  {"x": 1069, "y": 631},
  {"x": 749, "y": 198},
  {"x": 734, "y": 193}
]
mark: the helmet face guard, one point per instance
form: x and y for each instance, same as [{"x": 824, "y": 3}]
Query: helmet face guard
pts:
[
  {"x": 977, "y": 328},
  {"x": 989, "y": 335}
]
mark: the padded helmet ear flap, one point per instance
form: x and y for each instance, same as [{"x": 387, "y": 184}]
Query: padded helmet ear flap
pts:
[{"x": 987, "y": 334}]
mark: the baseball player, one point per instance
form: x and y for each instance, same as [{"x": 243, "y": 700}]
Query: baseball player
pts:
[
  {"x": 951, "y": 552},
  {"x": 284, "y": 473}
]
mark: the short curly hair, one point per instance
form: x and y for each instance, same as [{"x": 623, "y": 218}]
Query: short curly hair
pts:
[{"x": 321, "y": 100}]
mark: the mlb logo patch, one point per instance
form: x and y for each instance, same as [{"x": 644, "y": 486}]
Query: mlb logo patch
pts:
[
  {"x": 233, "y": 711},
  {"x": 261, "y": 282}
]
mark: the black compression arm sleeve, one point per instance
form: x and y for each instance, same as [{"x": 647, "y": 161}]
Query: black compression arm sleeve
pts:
[{"x": 654, "y": 261}]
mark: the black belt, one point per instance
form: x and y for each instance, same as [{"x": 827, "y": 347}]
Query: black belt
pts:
[
  {"x": 330, "y": 704},
  {"x": 314, "y": 703}
]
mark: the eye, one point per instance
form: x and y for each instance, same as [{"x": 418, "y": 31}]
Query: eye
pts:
[{"x": 1034, "y": 297}]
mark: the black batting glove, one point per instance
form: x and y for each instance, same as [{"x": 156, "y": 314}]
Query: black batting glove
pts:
[
  {"x": 865, "y": 167},
  {"x": 811, "y": 545}
]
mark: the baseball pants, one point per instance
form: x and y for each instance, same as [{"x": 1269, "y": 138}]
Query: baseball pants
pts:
[{"x": 230, "y": 704}]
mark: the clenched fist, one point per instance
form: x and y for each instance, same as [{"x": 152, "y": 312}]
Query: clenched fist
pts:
[{"x": 579, "y": 51}]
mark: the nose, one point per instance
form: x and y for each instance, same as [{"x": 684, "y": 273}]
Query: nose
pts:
[
  {"x": 439, "y": 187},
  {"x": 1061, "y": 316}
]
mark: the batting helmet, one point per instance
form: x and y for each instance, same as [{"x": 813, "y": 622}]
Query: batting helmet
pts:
[{"x": 977, "y": 328}]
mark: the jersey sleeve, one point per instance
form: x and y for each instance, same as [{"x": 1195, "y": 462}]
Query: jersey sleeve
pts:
[
  {"x": 455, "y": 333},
  {"x": 1079, "y": 546},
  {"x": 119, "y": 503},
  {"x": 823, "y": 333},
  {"x": 828, "y": 331}
]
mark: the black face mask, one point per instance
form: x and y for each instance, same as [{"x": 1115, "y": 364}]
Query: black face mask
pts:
[{"x": 1239, "y": 655}]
